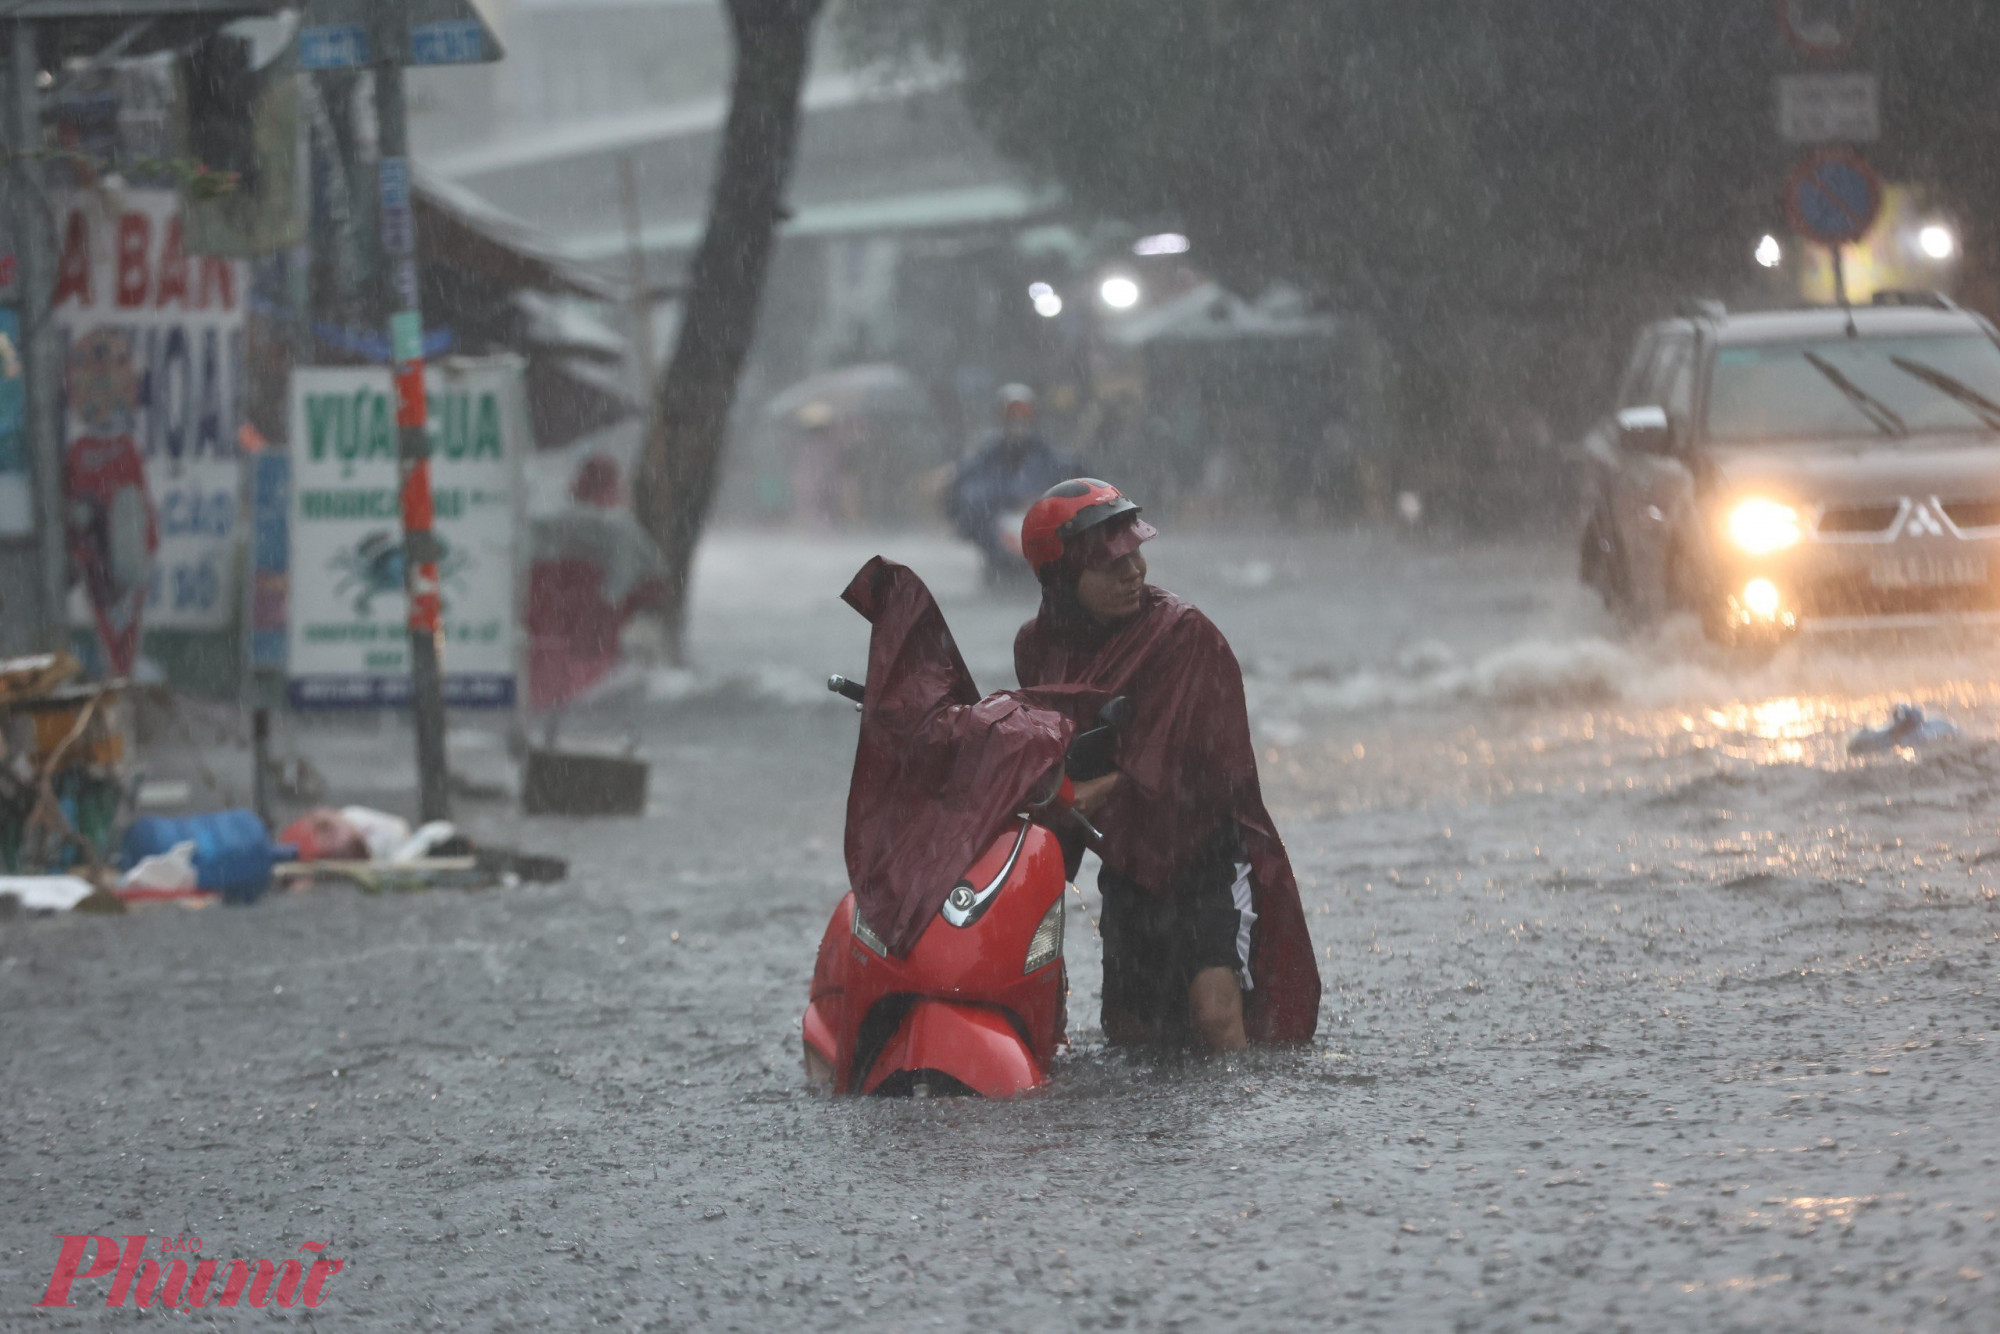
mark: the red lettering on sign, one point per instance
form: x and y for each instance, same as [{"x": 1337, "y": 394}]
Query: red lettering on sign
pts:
[
  {"x": 173, "y": 284},
  {"x": 73, "y": 270},
  {"x": 217, "y": 276},
  {"x": 135, "y": 244}
]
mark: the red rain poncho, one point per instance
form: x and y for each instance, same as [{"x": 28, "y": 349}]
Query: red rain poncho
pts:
[
  {"x": 938, "y": 772},
  {"x": 1188, "y": 764}
]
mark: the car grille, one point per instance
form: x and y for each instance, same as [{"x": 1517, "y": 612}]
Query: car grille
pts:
[
  {"x": 1974, "y": 513},
  {"x": 1858, "y": 519}
]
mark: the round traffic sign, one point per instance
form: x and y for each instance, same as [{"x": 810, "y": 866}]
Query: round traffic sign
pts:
[
  {"x": 1821, "y": 28},
  {"x": 1833, "y": 196}
]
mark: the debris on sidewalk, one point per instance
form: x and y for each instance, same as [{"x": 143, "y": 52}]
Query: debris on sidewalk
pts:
[
  {"x": 44, "y": 893},
  {"x": 1907, "y": 726},
  {"x": 34, "y": 677},
  {"x": 583, "y": 782},
  {"x": 439, "y": 838},
  {"x": 162, "y": 875},
  {"x": 62, "y": 770},
  {"x": 324, "y": 834},
  {"x": 163, "y": 794},
  {"x": 383, "y": 833},
  {"x": 375, "y": 877},
  {"x": 378, "y": 852},
  {"x": 233, "y": 853},
  {"x": 528, "y": 867}
]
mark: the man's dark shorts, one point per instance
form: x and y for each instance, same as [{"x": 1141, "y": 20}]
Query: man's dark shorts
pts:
[{"x": 1154, "y": 943}]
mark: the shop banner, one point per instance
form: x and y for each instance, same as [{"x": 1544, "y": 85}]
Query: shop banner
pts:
[
  {"x": 152, "y": 351},
  {"x": 17, "y": 499},
  {"x": 349, "y": 640}
]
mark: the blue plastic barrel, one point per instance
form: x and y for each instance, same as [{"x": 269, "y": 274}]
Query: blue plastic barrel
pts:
[{"x": 233, "y": 853}]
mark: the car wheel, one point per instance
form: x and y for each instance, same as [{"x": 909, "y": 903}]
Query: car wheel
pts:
[
  {"x": 1601, "y": 565},
  {"x": 1687, "y": 591}
]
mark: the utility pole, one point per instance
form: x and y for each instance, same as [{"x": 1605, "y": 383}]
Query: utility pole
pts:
[
  {"x": 35, "y": 281},
  {"x": 400, "y": 300},
  {"x": 635, "y": 252}
]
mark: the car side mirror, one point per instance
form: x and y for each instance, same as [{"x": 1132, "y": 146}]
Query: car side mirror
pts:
[{"x": 1646, "y": 430}]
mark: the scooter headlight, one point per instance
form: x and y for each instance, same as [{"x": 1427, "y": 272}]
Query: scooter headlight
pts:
[
  {"x": 867, "y": 937},
  {"x": 1045, "y": 946}
]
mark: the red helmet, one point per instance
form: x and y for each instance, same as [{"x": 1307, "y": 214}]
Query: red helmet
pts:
[
  {"x": 1067, "y": 510},
  {"x": 1017, "y": 403}
]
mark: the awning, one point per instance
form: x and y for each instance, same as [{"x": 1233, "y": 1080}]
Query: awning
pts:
[{"x": 998, "y": 203}]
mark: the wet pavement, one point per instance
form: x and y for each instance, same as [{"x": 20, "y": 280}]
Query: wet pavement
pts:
[{"x": 1646, "y": 1008}]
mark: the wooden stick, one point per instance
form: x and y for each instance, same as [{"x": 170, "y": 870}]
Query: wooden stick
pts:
[{"x": 380, "y": 868}]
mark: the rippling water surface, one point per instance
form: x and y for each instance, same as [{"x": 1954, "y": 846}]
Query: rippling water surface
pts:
[{"x": 1647, "y": 1007}]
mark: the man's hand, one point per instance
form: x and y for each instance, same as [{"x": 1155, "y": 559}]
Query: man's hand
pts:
[{"x": 1093, "y": 793}]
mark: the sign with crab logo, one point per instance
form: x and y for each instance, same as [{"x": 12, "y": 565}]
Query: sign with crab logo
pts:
[{"x": 349, "y": 643}]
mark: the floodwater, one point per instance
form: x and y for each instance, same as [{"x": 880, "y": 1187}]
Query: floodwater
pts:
[{"x": 1647, "y": 1008}]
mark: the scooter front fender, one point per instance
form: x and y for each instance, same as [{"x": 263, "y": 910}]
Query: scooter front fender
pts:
[
  {"x": 821, "y": 1048},
  {"x": 973, "y": 1044}
]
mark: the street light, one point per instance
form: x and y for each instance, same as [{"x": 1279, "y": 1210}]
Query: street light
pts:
[
  {"x": 1936, "y": 240},
  {"x": 1048, "y": 304},
  {"x": 1769, "y": 253},
  {"x": 1119, "y": 292},
  {"x": 1161, "y": 243}
]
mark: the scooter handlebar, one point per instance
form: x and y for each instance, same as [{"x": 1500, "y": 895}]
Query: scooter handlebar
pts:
[
  {"x": 1092, "y": 839},
  {"x": 1059, "y": 807}
]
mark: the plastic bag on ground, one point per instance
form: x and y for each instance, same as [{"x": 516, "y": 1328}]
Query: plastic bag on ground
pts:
[
  {"x": 429, "y": 841},
  {"x": 1907, "y": 726},
  {"x": 384, "y": 833},
  {"x": 164, "y": 875},
  {"x": 45, "y": 893}
]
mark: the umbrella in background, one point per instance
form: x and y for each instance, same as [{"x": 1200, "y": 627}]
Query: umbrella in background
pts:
[{"x": 847, "y": 446}]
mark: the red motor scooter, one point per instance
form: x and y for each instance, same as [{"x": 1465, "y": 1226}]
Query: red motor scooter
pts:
[{"x": 978, "y": 1004}]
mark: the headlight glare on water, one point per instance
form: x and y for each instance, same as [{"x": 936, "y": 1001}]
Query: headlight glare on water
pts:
[{"x": 1759, "y": 526}]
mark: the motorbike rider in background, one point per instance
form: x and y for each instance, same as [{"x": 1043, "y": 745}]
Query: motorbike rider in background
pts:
[
  {"x": 1204, "y": 937},
  {"x": 1012, "y": 466}
]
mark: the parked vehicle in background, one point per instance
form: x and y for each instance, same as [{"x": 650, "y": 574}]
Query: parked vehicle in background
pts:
[{"x": 1801, "y": 468}]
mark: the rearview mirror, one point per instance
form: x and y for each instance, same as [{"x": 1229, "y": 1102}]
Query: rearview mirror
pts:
[{"x": 1646, "y": 430}]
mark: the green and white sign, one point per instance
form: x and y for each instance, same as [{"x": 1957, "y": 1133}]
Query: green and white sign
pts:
[{"x": 349, "y": 641}]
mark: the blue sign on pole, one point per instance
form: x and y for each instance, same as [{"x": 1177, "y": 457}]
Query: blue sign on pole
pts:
[
  {"x": 270, "y": 559},
  {"x": 336, "y": 46},
  {"x": 1833, "y": 197},
  {"x": 453, "y": 42},
  {"x": 337, "y": 34}
]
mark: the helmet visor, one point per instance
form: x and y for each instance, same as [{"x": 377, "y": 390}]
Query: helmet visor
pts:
[{"x": 1113, "y": 540}]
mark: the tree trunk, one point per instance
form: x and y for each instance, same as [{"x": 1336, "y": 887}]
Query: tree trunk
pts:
[{"x": 689, "y": 423}]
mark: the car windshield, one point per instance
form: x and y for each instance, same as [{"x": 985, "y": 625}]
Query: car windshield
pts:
[{"x": 1877, "y": 388}]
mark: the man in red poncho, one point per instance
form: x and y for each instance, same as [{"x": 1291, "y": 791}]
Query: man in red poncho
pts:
[{"x": 1203, "y": 932}]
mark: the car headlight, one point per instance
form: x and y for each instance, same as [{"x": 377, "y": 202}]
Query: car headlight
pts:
[
  {"x": 1759, "y": 526},
  {"x": 1045, "y": 946}
]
